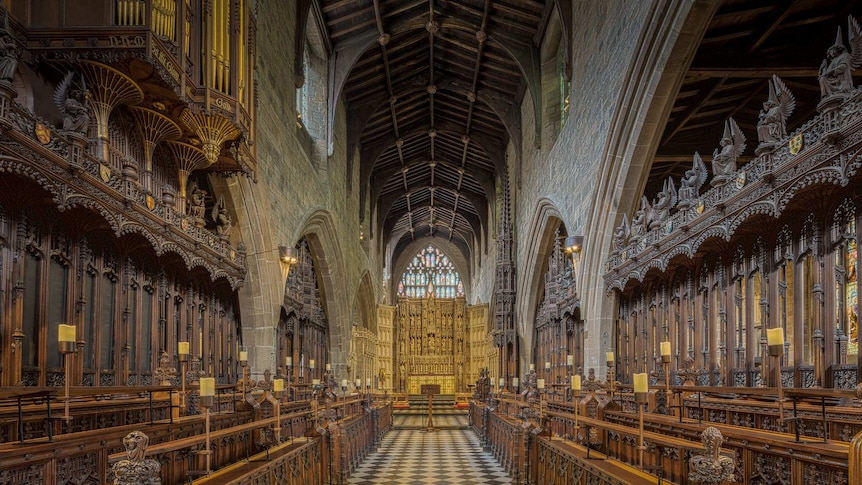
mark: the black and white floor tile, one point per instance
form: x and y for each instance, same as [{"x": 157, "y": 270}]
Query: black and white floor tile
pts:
[{"x": 442, "y": 457}]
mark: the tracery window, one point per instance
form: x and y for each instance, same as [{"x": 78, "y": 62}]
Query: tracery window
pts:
[
  {"x": 430, "y": 272},
  {"x": 846, "y": 278}
]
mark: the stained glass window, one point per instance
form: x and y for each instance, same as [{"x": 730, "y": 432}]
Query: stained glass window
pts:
[
  {"x": 852, "y": 296},
  {"x": 430, "y": 273}
]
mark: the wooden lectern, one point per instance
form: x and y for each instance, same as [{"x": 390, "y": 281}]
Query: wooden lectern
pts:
[{"x": 430, "y": 390}]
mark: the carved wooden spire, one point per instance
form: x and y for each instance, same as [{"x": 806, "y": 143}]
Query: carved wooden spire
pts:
[{"x": 504, "y": 282}]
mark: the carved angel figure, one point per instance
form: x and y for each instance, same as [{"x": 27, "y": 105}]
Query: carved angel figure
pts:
[
  {"x": 711, "y": 467},
  {"x": 640, "y": 222},
  {"x": 690, "y": 184},
  {"x": 136, "y": 469},
  {"x": 666, "y": 200},
  {"x": 772, "y": 125},
  {"x": 724, "y": 158},
  {"x": 196, "y": 205},
  {"x": 621, "y": 234},
  {"x": 221, "y": 218},
  {"x": 836, "y": 71},
  {"x": 71, "y": 101}
]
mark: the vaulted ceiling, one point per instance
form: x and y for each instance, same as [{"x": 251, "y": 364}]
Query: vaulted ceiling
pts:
[
  {"x": 433, "y": 91},
  {"x": 746, "y": 42}
]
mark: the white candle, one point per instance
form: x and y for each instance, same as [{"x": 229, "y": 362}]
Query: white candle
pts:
[
  {"x": 184, "y": 348},
  {"x": 243, "y": 355},
  {"x": 66, "y": 333},
  {"x": 278, "y": 385},
  {"x": 328, "y": 367},
  {"x": 311, "y": 364},
  {"x": 368, "y": 382},
  {"x": 547, "y": 366},
  {"x": 641, "y": 383},
  {"x": 515, "y": 382},
  {"x": 665, "y": 348},
  {"x": 288, "y": 361},
  {"x": 570, "y": 360},
  {"x": 610, "y": 356},
  {"x": 540, "y": 383},
  {"x": 358, "y": 382},
  {"x": 775, "y": 336},
  {"x": 576, "y": 383},
  {"x": 502, "y": 381},
  {"x": 207, "y": 386},
  {"x": 343, "y": 382},
  {"x": 532, "y": 366}
]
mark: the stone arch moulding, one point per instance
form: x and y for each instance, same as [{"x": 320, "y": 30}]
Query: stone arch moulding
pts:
[
  {"x": 319, "y": 231},
  {"x": 546, "y": 218},
  {"x": 651, "y": 82},
  {"x": 365, "y": 303}
]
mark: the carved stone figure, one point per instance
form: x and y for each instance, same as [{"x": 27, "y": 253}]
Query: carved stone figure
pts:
[
  {"x": 621, "y": 235},
  {"x": 164, "y": 373},
  {"x": 724, "y": 158},
  {"x": 136, "y": 469},
  {"x": 690, "y": 184},
  {"x": 196, "y": 205},
  {"x": 8, "y": 57},
  {"x": 640, "y": 222},
  {"x": 222, "y": 219},
  {"x": 772, "y": 125},
  {"x": 71, "y": 101},
  {"x": 666, "y": 200},
  {"x": 711, "y": 467},
  {"x": 836, "y": 71}
]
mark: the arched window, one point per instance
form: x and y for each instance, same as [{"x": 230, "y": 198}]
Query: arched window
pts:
[{"x": 430, "y": 273}]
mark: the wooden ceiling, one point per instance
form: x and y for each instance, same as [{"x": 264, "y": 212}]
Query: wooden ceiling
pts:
[
  {"x": 747, "y": 42},
  {"x": 421, "y": 101}
]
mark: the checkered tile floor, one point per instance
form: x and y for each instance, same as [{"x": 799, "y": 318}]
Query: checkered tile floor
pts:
[{"x": 444, "y": 457}]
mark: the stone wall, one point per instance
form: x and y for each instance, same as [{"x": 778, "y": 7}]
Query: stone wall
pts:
[
  {"x": 297, "y": 194},
  {"x": 619, "y": 53}
]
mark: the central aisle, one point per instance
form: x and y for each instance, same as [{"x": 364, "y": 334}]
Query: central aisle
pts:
[{"x": 443, "y": 457}]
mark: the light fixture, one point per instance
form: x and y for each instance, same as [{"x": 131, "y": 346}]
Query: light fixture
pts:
[
  {"x": 287, "y": 255},
  {"x": 573, "y": 246}
]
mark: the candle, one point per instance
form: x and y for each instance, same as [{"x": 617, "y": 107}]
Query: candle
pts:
[
  {"x": 576, "y": 383},
  {"x": 641, "y": 383},
  {"x": 610, "y": 356},
  {"x": 288, "y": 361},
  {"x": 243, "y": 355},
  {"x": 368, "y": 382},
  {"x": 343, "y": 382},
  {"x": 570, "y": 360},
  {"x": 328, "y": 367},
  {"x": 278, "y": 385},
  {"x": 514, "y": 382},
  {"x": 547, "y": 366},
  {"x": 207, "y": 386},
  {"x": 184, "y": 348},
  {"x": 540, "y": 383},
  {"x": 775, "y": 336},
  {"x": 358, "y": 382},
  {"x": 66, "y": 333},
  {"x": 315, "y": 382},
  {"x": 665, "y": 348},
  {"x": 532, "y": 366},
  {"x": 311, "y": 364},
  {"x": 502, "y": 381}
]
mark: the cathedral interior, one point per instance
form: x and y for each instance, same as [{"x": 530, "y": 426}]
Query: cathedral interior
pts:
[{"x": 430, "y": 241}]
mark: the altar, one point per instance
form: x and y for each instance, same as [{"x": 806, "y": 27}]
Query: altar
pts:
[{"x": 446, "y": 383}]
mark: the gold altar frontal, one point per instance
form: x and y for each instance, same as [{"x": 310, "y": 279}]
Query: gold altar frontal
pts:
[{"x": 446, "y": 383}]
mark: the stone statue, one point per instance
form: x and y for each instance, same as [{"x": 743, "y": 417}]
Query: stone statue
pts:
[
  {"x": 640, "y": 222},
  {"x": 621, "y": 234},
  {"x": 711, "y": 467},
  {"x": 772, "y": 124},
  {"x": 724, "y": 158},
  {"x": 666, "y": 200},
  {"x": 197, "y": 205},
  {"x": 8, "y": 50},
  {"x": 71, "y": 101},
  {"x": 221, "y": 218},
  {"x": 836, "y": 71},
  {"x": 690, "y": 184},
  {"x": 164, "y": 373},
  {"x": 136, "y": 469}
]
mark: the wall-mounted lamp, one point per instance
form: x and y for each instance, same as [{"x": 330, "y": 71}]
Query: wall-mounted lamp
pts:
[
  {"x": 287, "y": 255},
  {"x": 573, "y": 246}
]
